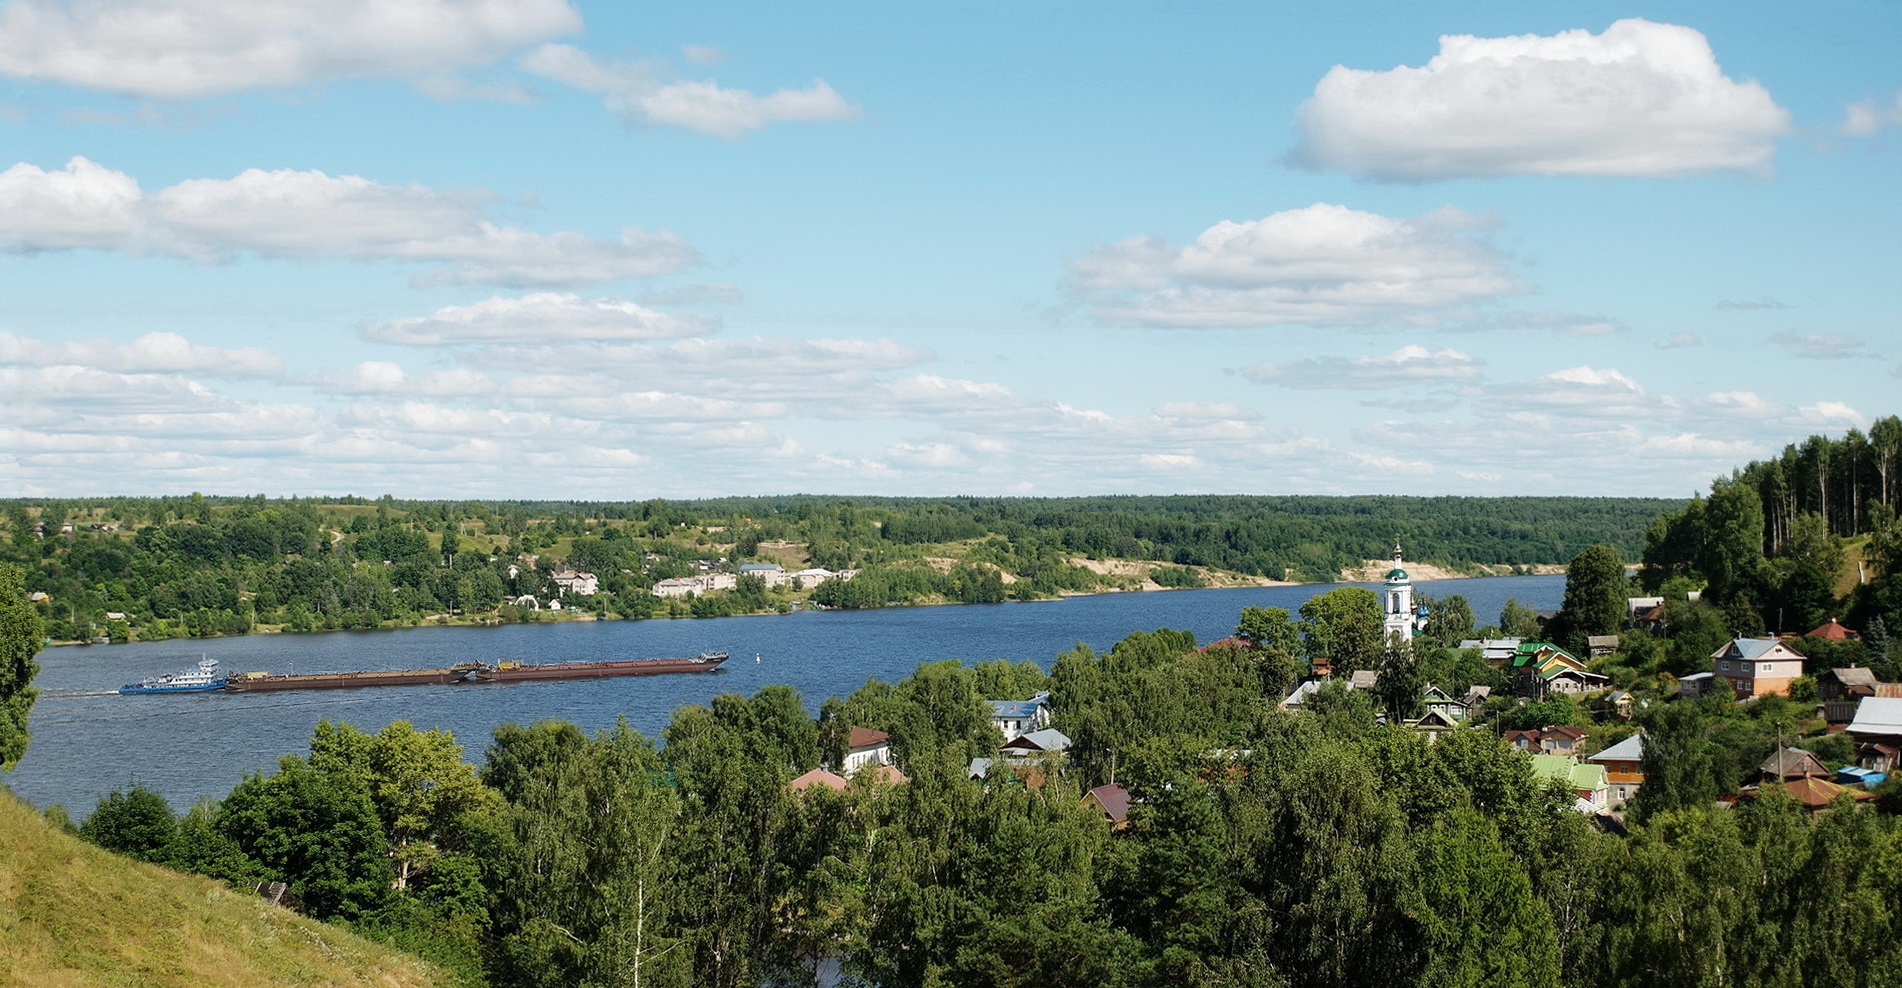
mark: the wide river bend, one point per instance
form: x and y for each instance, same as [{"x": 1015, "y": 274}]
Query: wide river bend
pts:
[{"x": 89, "y": 741}]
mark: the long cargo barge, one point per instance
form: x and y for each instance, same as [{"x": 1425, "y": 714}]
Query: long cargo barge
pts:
[
  {"x": 471, "y": 672},
  {"x": 508, "y": 672},
  {"x": 249, "y": 681}
]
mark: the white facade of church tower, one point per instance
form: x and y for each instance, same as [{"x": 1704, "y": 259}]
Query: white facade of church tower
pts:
[{"x": 1398, "y": 601}]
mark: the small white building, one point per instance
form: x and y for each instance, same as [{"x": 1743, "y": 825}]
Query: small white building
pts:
[
  {"x": 1015, "y": 718},
  {"x": 866, "y": 747}
]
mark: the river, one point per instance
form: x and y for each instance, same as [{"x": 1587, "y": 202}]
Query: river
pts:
[{"x": 89, "y": 741}]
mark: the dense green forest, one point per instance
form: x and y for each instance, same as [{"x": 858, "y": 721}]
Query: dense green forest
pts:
[{"x": 197, "y": 565}]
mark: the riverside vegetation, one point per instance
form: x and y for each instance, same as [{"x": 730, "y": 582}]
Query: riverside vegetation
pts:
[
  {"x": 1323, "y": 847},
  {"x": 151, "y": 568}
]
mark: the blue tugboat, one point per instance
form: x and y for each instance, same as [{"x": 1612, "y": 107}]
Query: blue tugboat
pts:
[{"x": 205, "y": 677}]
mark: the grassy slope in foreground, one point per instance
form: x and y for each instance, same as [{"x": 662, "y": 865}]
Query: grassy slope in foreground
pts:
[{"x": 73, "y": 915}]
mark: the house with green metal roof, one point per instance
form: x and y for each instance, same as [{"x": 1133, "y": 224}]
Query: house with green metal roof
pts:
[
  {"x": 1542, "y": 668},
  {"x": 1587, "y": 782}
]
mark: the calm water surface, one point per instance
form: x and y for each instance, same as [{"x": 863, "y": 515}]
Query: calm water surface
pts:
[{"x": 88, "y": 741}]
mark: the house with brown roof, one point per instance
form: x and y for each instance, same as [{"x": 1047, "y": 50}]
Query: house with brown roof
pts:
[
  {"x": 1112, "y": 801},
  {"x": 1786, "y": 764},
  {"x": 1559, "y": 739},
  {"x": 866, "y": 747},
  {"x": 1812, "y": 793}
]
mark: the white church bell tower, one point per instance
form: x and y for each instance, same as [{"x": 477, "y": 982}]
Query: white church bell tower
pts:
[{"x": 1399, "y": 601}]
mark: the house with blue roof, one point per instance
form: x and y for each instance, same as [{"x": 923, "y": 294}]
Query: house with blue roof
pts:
[{"x": 1015, "y": 718}]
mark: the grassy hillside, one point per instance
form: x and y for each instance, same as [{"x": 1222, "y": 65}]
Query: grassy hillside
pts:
[{"x": 73, "y": 915}]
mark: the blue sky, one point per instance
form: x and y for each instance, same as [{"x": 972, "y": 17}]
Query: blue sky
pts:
[{"x": 533, "y": 248}]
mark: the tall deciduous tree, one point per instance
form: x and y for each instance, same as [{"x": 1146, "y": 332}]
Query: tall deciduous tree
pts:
[
  {"x": 316, "y": 830},
  {"x": 425, "y": 795},
  {"x": 19, "y": 642},
  {"x": 1342, "y": 628},
  {"x": 1595, "y": 591}
]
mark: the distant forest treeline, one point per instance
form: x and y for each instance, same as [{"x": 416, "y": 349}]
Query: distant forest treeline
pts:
[
  {"x": 1776, "y": 541},
  {"x": 203, "y": 565}
]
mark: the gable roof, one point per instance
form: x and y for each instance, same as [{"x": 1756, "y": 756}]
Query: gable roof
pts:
[
  {"x": 1816, "y": 793},
  {"x": 1588, "y": 776},
  {"x": 865, "y": 737},
  {"x": 1630, "y": 749},
  {"x": 1855, "y": 676},
  {"x": 1017, "y": 709},
  {"x": 1877, "y": 715},
  {"x": 1048, "y": 739},
  {"x": 1543, "y": 656},
  {"x": 1787, "y": 763},
  {"x": 1114, "y": 800},
  {"x": 884, "y": 775},
  {"x": 1753, "y": 649},
  {"x": 818, "y": 777}
]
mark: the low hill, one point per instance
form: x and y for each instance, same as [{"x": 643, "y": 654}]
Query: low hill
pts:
[{"x": 73, "y": 915}]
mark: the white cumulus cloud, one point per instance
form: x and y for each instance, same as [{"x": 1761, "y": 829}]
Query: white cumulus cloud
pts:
[
  {"x": 541, "y": 317},
  {"x": 185, "y": 49},
  {"x": 1321, "y": 264},
  {"x": 1642, "y": 98},
  {"x": 1408, "y": 366},
  {"x": 634, "y": 92},
  {"x": 310, "y": 214}
]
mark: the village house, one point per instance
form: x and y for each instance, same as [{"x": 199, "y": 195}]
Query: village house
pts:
[
  {"x": 1048, "y": 741},
  {"x": 1830, "y": 630},
  {"x": 770, "y": 574},
  {"x": 1439, "y": 703},
  {"x": 1853, "y": 683},
  {"x": 1014, "y": 718},
  {"x": 1112, "y": 801},
  {"x": 1561, "y": 739},
  {"x": 1541, "y": 668},
  {"x": 1877, "y": 728},
  {"x": 575, "y": 582},
  {"x": 1587, "y": 783},
  {"x": 1786, "y": 764},
  {"x": 1755, "y": 667},
  {"x": 1496, "y": 651},
  {"x": 1695, "y": 685},
  {"x": 866, "y": 747},
  {"x": 1624, "y": 769}
]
